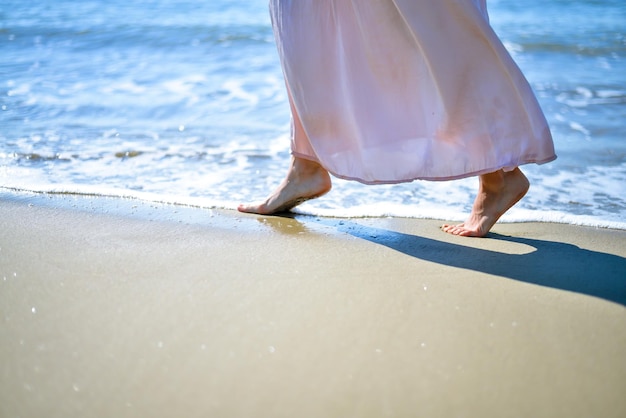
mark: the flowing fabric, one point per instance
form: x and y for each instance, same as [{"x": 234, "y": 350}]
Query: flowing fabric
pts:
[{"x": 386, "y": 91}]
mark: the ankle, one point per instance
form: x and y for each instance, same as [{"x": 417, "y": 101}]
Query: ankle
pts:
[
  {"x": 308, "y": 169},
  {"x": 305, "y": 166},
  {"x": 493, "y": 182}
]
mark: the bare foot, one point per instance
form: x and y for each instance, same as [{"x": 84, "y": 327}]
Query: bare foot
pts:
[
  {"x": 497, "y": 193},
  {"x": 305, "y": 180}
]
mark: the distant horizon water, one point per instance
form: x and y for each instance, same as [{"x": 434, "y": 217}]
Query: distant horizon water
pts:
[{"x": 183, "y": 102}]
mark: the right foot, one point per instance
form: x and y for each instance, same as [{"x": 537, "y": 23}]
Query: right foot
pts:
[
  {"x": 497, "y": 193},
  {"x": 305, "y": 180}
]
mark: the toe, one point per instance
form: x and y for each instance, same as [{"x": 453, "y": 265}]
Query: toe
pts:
[
  {"x": 258, "y": 208},
  {"x": 452, "y": 229}
]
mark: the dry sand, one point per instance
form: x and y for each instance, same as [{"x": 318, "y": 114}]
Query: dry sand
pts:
[{"x": 120, "y": 308}]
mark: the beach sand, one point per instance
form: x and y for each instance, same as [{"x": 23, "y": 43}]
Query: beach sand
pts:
[{"x": 122, "y": 308}]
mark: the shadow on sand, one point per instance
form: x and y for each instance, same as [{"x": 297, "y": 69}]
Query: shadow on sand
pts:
[{"x": 552, "y": 264}]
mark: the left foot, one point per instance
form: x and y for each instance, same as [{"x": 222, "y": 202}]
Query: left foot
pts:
[
  {"x": 305, "y": 180},
  {"x": 497, "y": 193}
]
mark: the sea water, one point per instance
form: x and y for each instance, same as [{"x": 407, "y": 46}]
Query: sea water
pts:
[{"x": 183, "y": 101}]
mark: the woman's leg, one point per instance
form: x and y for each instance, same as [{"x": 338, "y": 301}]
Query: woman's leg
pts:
[
  {"x": 305, "y": 180},
  {"x": 497, "y": 193}
]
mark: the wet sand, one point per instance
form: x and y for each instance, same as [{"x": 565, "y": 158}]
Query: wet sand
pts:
[{"x": 121, "y": 308}]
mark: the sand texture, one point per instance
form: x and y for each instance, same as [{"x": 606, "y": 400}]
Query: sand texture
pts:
[{"x": 121, "y": 308}]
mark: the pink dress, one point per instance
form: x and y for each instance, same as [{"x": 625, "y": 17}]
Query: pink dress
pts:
[{"x": 387, "y": 91}]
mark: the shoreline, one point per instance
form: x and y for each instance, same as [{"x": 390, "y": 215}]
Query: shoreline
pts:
[
  {"x": 118, "y": 307},
  {"x": 374, "y": 211}
]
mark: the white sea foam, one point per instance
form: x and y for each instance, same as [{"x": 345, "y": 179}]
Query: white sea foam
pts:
[
  {"x": 586, "y": 198},
  {"x": 374, "y": 210}
]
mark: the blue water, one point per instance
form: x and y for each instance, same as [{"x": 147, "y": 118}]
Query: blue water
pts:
[{"x": 183, "y": 101}]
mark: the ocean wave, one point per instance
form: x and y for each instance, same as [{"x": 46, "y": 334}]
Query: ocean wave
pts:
[{"x": 184, "y": 102}]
